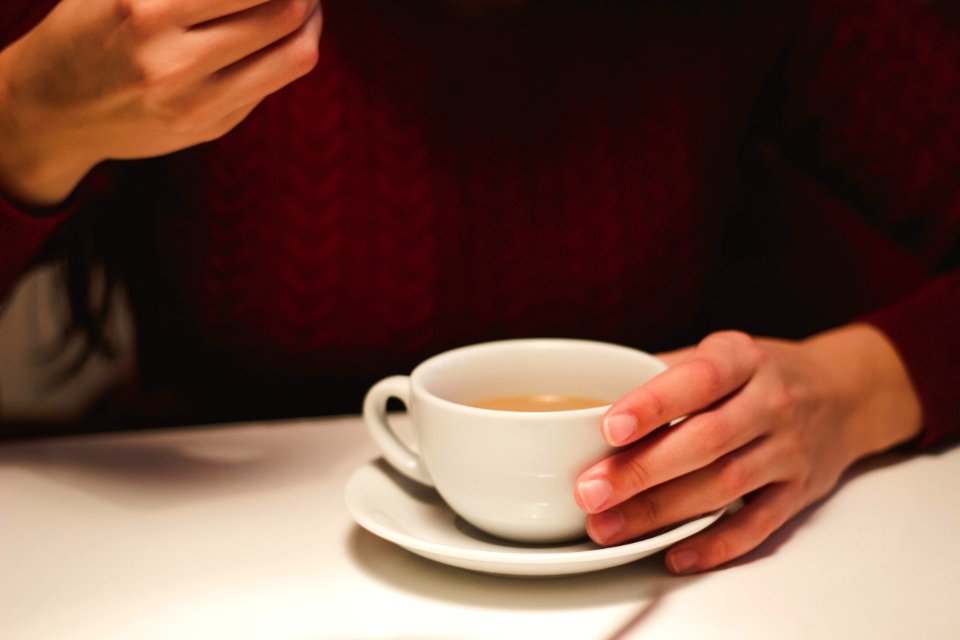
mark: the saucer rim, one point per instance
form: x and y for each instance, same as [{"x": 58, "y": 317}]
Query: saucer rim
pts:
[{"x": 519, "y": 558}]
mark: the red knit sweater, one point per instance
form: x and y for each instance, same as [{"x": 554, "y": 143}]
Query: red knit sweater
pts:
[{"x": 639, "y": 172}]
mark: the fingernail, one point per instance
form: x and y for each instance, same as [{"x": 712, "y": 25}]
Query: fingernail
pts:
[
  {"x": 594, "y": 493},
  {"x": 683, "y": 560},
  {"x": 604, "y": 526},
  {"x": 620, "y": 428}
]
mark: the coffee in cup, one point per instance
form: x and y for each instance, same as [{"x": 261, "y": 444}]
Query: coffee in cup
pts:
[{"x": 539, "y": 402}]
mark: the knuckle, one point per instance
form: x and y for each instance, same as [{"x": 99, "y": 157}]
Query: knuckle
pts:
[
  {"x": 654, "y": 405},
  {"x": 305, "y": 55},
  {"x": 142, "y": 16},
  {"x": 780, "y": 399},
  {"x": 162, "y": 76},
  {"x": 734, "y": 479},
  {"x": 743, "y": 344},
  {"x": 638, "y": 475},
  {"x": 647, "y": 510},
  {"x": 293, "y": 13},
  {"x": 719, "y": 551},
  {"x": 709, "y": 374},
  {"x": 715, "y": 433}
]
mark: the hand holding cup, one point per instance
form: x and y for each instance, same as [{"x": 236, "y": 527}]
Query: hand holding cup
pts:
[{"x": 775, "y": 421}]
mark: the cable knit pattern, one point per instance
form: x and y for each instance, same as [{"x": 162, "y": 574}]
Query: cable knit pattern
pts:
[
  {"x": 402, "y": 204},
  {"x": 883, "y": 96},
  {"x": 563, "y": 168}
]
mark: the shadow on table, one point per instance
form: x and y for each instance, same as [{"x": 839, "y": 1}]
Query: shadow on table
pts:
[
  {"x": 144, "y": 473},
  {"x": 644, "y": 581}
]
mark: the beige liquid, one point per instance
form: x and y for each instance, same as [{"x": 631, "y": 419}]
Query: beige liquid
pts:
[{"x": 539, "y": 402}]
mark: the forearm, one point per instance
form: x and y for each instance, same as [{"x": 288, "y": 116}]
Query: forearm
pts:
[{"x": 38, "y": 166}]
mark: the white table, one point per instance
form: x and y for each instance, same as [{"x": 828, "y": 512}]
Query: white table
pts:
[{"x": 241, "y": 532}]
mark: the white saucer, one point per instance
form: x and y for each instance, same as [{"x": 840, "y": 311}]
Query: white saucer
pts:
[{"x": 416, "y": 518}]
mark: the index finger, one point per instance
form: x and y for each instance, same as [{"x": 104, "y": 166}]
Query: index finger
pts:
[
  {"x": 190, "y": 13},
  {"x": 719, "y": 365}
]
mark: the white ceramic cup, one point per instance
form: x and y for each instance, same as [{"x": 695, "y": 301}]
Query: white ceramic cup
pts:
[{"x": 509, "y": 473}]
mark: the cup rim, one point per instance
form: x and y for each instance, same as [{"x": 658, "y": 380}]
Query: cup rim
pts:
[{"x": 420, "y": 390}]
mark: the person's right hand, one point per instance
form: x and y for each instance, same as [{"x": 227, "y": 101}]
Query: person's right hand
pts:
[{"x": 124, "y": 79}]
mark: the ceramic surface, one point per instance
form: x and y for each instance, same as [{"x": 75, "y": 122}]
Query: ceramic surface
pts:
[
  {"x": 415, "y": 517},
  {"x": 509, "y": 473}
]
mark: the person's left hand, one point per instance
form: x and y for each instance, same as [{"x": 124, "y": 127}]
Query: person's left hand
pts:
[{"x": 774, "y": 420}]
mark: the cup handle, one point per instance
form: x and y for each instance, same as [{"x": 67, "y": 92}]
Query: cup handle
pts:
[{"x": 398, "y": 454}]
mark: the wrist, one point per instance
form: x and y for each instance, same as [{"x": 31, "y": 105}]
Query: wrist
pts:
[
  {"x": 38, "y": 166},
  {"x": 876, "y": 406}
]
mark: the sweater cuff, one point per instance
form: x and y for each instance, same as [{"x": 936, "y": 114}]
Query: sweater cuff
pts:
[
  {"x": 22, "y": 232},
  {"x": 925, "y": 330},
  {"x": 25, "y": 229}
]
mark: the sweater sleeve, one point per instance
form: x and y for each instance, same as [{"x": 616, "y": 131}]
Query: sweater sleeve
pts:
[
  {"x": 925, "y": 328},
  {"x": 871, "y": 108}
]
